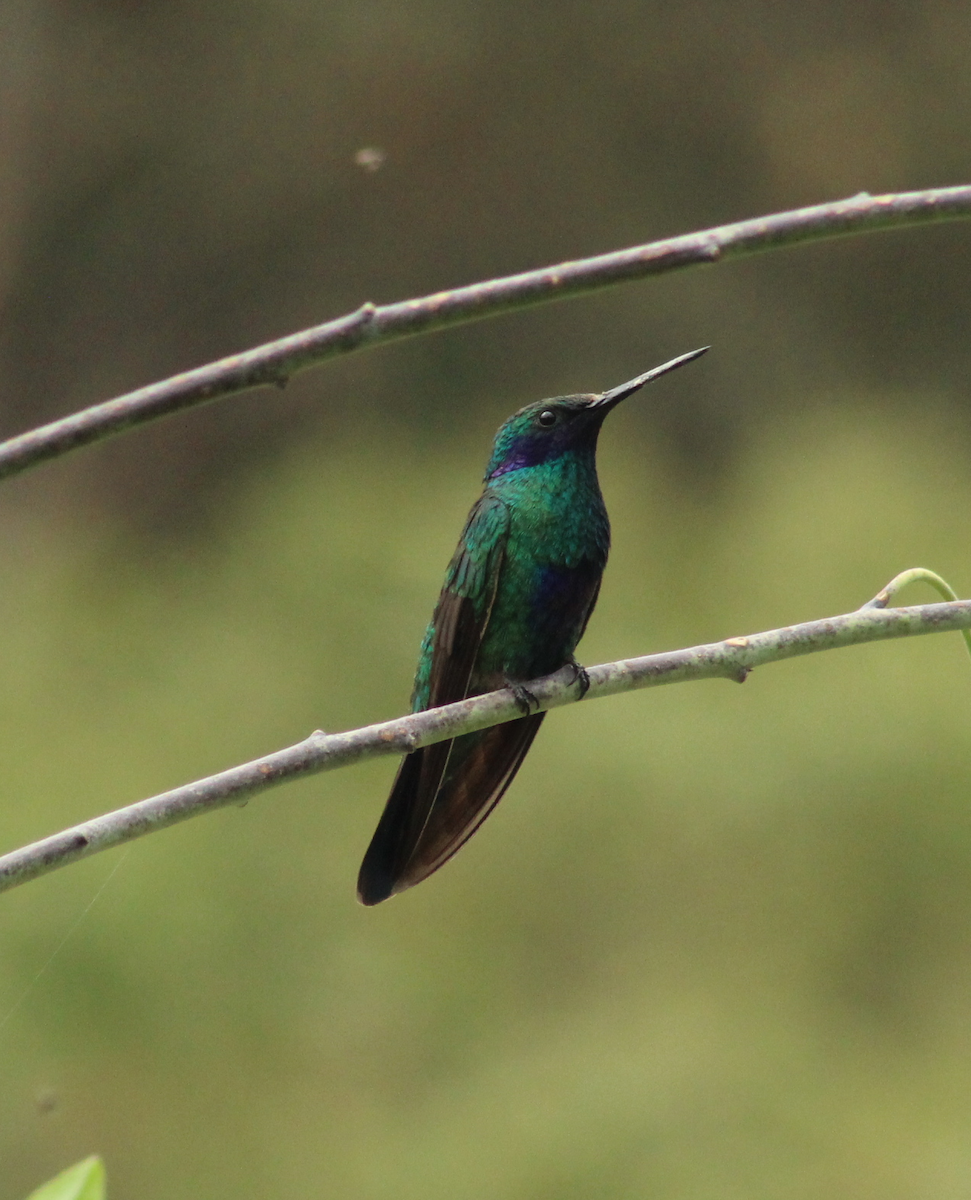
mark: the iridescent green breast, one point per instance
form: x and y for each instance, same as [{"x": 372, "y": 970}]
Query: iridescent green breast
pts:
[{"x": 556, "y": 550}]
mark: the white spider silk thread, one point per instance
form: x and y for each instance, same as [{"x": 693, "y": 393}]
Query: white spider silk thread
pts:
[{"x": 4, "y": 1021}]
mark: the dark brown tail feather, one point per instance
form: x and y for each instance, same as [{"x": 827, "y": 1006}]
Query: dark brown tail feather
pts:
[{"x": 440, "y": 797}]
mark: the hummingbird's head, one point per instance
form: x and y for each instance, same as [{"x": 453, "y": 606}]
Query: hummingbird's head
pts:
[{"x": 550, "y": 429}]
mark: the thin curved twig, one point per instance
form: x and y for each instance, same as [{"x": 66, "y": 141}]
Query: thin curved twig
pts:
[
  {"x": 730, "y": 659},
  {"x": 275, "y": 362},
  {"x": 917, "y": 575}
]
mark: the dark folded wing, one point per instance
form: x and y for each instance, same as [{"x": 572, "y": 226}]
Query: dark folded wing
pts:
[{"x": 442, "y": 793}]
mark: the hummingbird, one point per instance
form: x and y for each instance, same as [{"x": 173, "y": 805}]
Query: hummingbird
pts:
[{"x": 518, "y": 593}]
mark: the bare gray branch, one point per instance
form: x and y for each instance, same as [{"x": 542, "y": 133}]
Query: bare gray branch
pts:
[
  {"x": 275, "y": 362},
  {"x": 733, "y": 658}
]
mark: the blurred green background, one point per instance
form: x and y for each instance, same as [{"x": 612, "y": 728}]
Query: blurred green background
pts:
[{"x": 716, "y": 942}]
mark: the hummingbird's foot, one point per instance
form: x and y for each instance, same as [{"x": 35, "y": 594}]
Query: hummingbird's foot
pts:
[
  {"x": 581, "y": 677},
  {"x": 525, "y": 700}
]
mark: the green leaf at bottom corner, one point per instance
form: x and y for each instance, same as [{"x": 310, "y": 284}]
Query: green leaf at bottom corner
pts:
[{"x": 84, "y": 1181}]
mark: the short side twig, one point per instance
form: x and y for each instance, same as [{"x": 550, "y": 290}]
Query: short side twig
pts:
[
  {"x": 276, "y": 362},
  {"x": 730, "y": 659},
  {"x": 917, "y": 575}
]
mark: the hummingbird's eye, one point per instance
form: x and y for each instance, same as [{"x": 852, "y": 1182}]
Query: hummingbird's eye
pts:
[{"x": 547, "y": 418}]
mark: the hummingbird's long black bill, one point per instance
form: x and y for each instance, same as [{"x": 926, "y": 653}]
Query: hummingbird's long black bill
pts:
[{"x": 615, "y": 395}]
